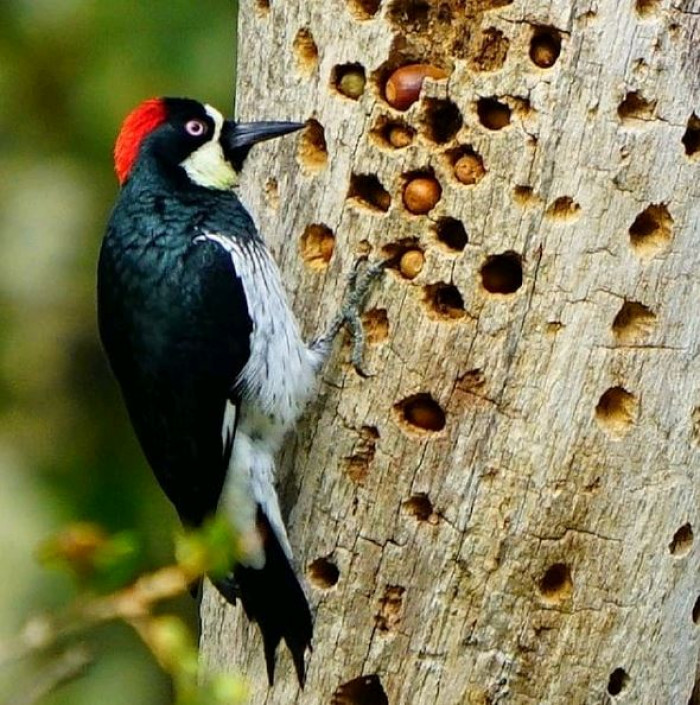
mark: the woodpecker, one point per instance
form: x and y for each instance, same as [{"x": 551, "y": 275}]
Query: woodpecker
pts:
[{"x": 203, "y": 343}]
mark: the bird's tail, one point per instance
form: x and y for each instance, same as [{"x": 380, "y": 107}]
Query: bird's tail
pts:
[{"x": 273, "y": 597}]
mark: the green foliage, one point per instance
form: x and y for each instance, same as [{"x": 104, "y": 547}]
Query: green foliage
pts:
[
  {"x": 69, "y": 72},
  {"x": 177, "y": 654},
  {"x": 212, "y": 549},
  {"x": 98, "y": 562}
]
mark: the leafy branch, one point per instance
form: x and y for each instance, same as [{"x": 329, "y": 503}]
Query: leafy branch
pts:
[{"x": 103, "y": 566}]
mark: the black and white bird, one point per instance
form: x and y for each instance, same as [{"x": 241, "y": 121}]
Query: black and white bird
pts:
[{"x": 207, "y": 352}]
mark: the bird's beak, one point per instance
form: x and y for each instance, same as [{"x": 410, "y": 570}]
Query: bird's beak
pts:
[{"x": 241, "y": 135}]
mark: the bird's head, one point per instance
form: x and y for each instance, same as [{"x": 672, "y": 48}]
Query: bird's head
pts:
[{"x": 190, "y": 140}]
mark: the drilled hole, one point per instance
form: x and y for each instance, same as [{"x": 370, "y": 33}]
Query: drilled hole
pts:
[
  {"x": 441, "y": 120},
  {"x": 419, "y": 506},
  {"x": 691, "y": 137},
  {"x": 645, "y": 8},
  {"x": 363, "y": 248},
  {"x": 451, "y": 234},
  {"x": 313, "y": 152},
  {"x": 364, "y": 9},
  {"x": 421, "y": 192},
  {"x": 411, "y": 16},
  {"x": 444, "y": 301},
  {"x": 493, "y": 114},
  {"x": 358, "y": 464},
  {"x": 632, "y": 322},
  {"x": 616, "y": 411},
  {"x": 696, "y": 611},
  {"x": 467, "y": 166},
  {"x": 271, "y": 192},
  {"x": 695, "y": 695},
  {"x": 390, "y": 606},
  {"x": 525, "y": 196},
  {"x": 349, "y": 80},
  {"x": 421, "y": 412},
  {"x": 263, "y": 5},
  {"x": 492, "y": 51},
  {"x": 556, "y": 584},
  {"x": 651, "y": 232},
  {"x": 367, "y": 190},
  {"x": 635, "y": 107},
  {"x": 495, "y": 4},
  {"x": 682, "y": 541},
  {"x": 305, "y": 51},
  {"x": 375, "y": 323},
  {"x": 317, "y": 244},
  {"x": 502, "y": 274},
  {"x": 545, "y": 47},
  {"x": 563, "y": 208},
  {"x": 365, "y": 690},
  {"x": 323, "y": 573},
  {"x": 618, "y": 681},
  {"x": 392, "y": 134}
]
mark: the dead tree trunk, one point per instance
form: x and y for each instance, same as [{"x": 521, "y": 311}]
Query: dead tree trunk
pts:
[{"x": 505, "y": 512}]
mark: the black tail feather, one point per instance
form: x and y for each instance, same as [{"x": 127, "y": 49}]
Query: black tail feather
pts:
[{"x": 273, "y": 597}]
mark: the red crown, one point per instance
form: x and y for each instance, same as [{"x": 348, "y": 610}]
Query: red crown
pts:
[{"x": 139, "y": 123}]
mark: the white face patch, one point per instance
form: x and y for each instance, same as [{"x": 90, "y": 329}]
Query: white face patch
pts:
[{"x": 207, "y": 165}]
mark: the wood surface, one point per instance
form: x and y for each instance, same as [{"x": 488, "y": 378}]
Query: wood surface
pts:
[{"x": 505, "y": 510}]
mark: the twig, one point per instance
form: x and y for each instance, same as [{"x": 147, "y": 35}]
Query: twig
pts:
[
  {"x": 129, "y": 604},
  {"x": 68, "y": 666}
]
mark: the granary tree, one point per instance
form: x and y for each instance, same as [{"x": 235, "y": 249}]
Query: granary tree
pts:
[{"x": 504, "y": 509}]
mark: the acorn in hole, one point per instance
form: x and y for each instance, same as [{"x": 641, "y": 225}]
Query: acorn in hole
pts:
[
  {"x": 421, "y": 194},
  {"x": 400, "y": 136},
  {"x": 411, "y": 263},
  {"x": 404, "y": 85},
  {"x": 469, "y": 169}
]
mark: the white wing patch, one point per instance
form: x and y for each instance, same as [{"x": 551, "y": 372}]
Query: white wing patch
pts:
[
  {"x": 279, "y": 377},
  {"x": 274, "y": 387},
  {"x": 228, "y": 428},
  {"x": 207, "y": 165}
]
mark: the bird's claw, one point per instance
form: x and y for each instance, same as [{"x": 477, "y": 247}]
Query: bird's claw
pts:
[{"x": 358, "y": 283}]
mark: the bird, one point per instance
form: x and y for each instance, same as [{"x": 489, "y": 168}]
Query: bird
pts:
[{"x": 196, "y": 326}]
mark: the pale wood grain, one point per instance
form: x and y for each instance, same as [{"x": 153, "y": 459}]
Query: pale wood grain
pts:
[{"x": 443, "y": 539}]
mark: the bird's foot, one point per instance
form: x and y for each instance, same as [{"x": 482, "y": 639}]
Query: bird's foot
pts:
[{"x": 359, "y": 284}]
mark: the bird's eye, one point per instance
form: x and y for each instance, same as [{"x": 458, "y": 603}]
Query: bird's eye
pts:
[{"x": 196, "y": 128}]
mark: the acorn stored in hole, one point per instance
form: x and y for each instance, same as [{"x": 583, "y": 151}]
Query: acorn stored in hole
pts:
[
  {"x": 400, "y": 136},
  {"x": 411, "y": 263},
  {"x": 469, "y": 169},
  {"x": 421, "y": 194},
  {"x": 352, "y": 84},
  {"x": 404, "y": 85}
]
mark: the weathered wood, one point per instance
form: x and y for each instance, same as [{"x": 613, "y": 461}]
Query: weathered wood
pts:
[{"x": 538, "y": 547}]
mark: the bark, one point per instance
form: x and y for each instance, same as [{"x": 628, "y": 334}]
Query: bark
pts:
[{"x": 504, "y": 512}]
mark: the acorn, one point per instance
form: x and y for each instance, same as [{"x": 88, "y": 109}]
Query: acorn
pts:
[
  {"x": 411, "y": 263},
  {"x": 400, "y": 136},
  {"x": 404, "y": 85},
  {"x": 382, "y": 199},
  {"x": 469, "y": 169},
  {"x": 352, "y": 83},
  {"x": 544, "y": 50},
  {"x": 421, "y": 194}
]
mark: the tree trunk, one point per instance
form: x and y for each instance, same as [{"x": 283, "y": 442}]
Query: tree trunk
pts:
[{"x": 504, "y": 512}]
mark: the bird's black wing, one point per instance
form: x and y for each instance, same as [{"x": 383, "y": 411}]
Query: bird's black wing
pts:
[{"x": 177, "y": 334}]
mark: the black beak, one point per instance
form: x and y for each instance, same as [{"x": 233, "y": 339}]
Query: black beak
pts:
[{"x": 241, "y": 135}]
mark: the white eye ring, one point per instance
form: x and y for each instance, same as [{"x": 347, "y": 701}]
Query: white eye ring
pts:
[{"x": 196, "y": 128}]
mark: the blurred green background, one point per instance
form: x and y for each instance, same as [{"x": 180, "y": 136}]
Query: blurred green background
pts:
[{"x": 69, "y": 72}]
